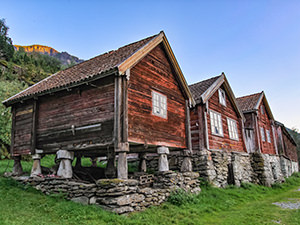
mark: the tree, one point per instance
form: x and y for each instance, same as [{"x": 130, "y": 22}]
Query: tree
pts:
[{"x": 6, "y": 47}]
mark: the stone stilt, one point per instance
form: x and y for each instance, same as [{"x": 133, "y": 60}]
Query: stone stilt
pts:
[
  {"x": 65, "y": 165},
  {"x": 110, "y": 170},
  {"x": 187, "y": 162},
  {"x": 142, "y": 164},
  {"x": 122, "y": 166},
  {"x": 94, "y": 161},
  {"x": 36, "y": 167},
  {"x": 163, "y": 164},
  {"x": 17, "y": 168},
  {"x": 78, "y": 162}
]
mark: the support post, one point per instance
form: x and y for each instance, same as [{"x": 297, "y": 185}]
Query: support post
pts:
[
  {"x": 36, "y": 167},
  {"x": 163, "y": 164},
  {"x": 110, "y": 170},
  {"x": 122, "y": 166},
  {"x": 142, "y": 164},
  {"x": 17, "y": 168},
  {"x": 187, "y": 162},
  {"x": 65, "y": 165}
]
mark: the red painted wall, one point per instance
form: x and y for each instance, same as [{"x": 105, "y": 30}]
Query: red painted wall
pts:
[
  {"x": 154, "y": 72},
  {"x": 217, "y": 142}
]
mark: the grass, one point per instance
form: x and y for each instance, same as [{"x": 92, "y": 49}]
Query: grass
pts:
[{"x": 250, "y": 204}]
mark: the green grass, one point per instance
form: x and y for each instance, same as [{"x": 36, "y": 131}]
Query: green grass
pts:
[{"x": 250, "y": 204}]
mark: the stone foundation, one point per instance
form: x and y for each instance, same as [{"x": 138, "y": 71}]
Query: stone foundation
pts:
[
  {"x": 119, "y": 196},
  {"x": 288, "y": 167}
]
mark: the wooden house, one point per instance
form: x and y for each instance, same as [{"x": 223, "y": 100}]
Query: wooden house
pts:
[
  {"x": 259, "y": 125},
  {"x": 216, "y": 120},
  {"x": 131, "y": 100}
]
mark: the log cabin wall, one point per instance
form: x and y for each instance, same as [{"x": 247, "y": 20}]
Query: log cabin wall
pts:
[
  {"x": 198, "y": 127},
  {"x": 279, "y": 141},
  {"x": 22, "y": 119},
  {"x": 154, "y": 73},
  {"x": 228, "y": 111},
  {"x": 265, "y": 122},
  {"x": 290, "y": 148},
  {"x": 79, "y": 119}
]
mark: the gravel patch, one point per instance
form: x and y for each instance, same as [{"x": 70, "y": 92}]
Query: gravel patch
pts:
[{"x": 288, "y": 205}]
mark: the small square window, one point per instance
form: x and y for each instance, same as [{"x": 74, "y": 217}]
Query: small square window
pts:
[
  {"x": 222, "y": 97},
  {"x": 159, "y": 104},
  {"x": 262, "y": 133},
  {"x": 216, "y": 123},
  {"x": 232, "y": 129}
]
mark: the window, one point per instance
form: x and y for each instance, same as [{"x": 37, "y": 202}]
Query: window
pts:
[
  {"x": 159, "y": 104},
  {"x": 216, "y": 123},
  {"x": 262, "y": 133},
  {"x": 232, "y": 129},
  {"x": 222, "y": 97},
  {"x": 268, "y": 136},
  {"x": 262, "y": 109}
]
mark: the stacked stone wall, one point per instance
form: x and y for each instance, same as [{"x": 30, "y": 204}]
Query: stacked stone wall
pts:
[{"x": 119, "y": 196}]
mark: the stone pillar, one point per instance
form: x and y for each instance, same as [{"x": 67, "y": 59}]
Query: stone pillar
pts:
[
  {"x": 122, "y": 166},
  {"x": 65, "y": 165},
  {"x": 110, "y": 170},
  {"x": 187, "y": 162},
  {"x": 142, "y": 164},
  {"x": 17, "y": 168},
  {"x": 36, "y": 167},
  {"x": 163, "y": 164},
  {"x": 78, "y": 162},
  {"x": 94, "y": 161}
]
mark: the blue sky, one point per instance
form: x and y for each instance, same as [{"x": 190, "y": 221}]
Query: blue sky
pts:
[{"x": 256, "y": 43}]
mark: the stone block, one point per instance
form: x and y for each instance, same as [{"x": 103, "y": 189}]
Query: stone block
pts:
[
  {"x": 163, "y": 150},
  {"x": 82, "y": 200},
  {"x": 64, "y": 154}
]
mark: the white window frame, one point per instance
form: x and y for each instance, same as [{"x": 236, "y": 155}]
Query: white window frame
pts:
[
  {"x": 269, "y": 136},
  {"x": 222, "y": 97},
  {"x": 159, "y": 104},
  {"x": 216, "y": 123},
  {"x": 232, "y": 129},
  {"x": 262, "y": 134}
]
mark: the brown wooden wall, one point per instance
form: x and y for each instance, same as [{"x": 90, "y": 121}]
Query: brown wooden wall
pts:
[
  {"x": 154, "y": 72},
  {"x": 198, "y": 127},
  {"x": 22, "y": 128},
  {"x": 265, "y": 122},
  {"x": 228, "y": 111},
  {"x": 81, "y": 108},
  {"x": 290, "y": 148}
]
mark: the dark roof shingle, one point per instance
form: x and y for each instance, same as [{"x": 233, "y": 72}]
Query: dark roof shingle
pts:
[
  {"x": 199, "y": 88},
  {"x": 248, "y": 103},
  {"x": 82, "y": 71}
]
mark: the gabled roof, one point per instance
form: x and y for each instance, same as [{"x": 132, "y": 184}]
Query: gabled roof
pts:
[
  {"x": 203, "y": 90},
  {"x": 251, "y": 103},
  {"x": 286, "y": 132},
  {"x": 116, "y": 61}
]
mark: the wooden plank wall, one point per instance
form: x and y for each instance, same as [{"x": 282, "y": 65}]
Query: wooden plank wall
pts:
[
  {"x": 290, "y": 148},
  {"x": 22, "y": 129},
  {"x": 217, "y": 142},
  {"x": 92, "y": 108},
  {"x": 154, "y": 72},
  {"x": 265, "y": 122}
]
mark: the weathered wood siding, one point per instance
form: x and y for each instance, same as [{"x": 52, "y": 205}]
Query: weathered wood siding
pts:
[
  {"x": 228, "y": 111},
  {"x": 22, "y": 129},
  {"x": 154, "y": 73},
  {"x": 265, "y": 122},
  {"x": 198, "y": 128},
  {"x": 290, "y": 148},
  {"x": 90, "y": 111},
  {"x": 251, "y": 132}
]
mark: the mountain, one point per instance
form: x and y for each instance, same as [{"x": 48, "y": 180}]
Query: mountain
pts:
[{"x": 64, "y": 57}]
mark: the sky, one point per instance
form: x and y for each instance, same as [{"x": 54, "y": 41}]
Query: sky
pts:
[{"x": 256, "y": 43}]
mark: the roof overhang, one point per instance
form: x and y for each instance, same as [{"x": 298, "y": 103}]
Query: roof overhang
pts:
[
  {"x": 143, "y": 51},
  {"x": 264, "y": 99}
]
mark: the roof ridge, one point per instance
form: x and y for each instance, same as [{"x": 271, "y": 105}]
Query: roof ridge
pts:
[
  {"x": 205, "y": 80},
  {"x": 250, "y": 95}
]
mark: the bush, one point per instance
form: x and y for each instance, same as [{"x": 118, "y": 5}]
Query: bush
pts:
[{"x": 180, "y": 197}]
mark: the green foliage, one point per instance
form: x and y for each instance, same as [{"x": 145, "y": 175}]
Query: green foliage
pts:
[
  {"x": 6, "y": 47},
  {"x": 180, "y": 197}
]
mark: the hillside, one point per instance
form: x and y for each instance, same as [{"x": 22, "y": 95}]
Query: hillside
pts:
[{"x": 64, "y": 57}]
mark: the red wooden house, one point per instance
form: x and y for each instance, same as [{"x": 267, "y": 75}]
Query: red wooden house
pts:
[
  {"x": 216, "y": 120},
  {"x": 131, "y": 100},
  {"x": 259, "y": 125}
]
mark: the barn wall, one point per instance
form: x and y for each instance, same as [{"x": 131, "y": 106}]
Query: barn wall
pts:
[
  {"x": 265, "y": 122},
  {"x": 154, "y": 72},
  {"x": 22, "y": 128},
  {"x": 217, "y": 142},
  {"x": 89, "y": 109},
  {"x": 291, "y": 149}
]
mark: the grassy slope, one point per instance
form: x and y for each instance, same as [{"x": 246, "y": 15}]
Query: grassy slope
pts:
[{"x": 249, "y": 205}]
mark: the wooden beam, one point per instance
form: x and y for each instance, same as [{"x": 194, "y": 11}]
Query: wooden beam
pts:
[
  {"x": 188, "y": 126},
  {"x": 13, "y": 127},
  {"x": 117, "y": 111},
  {"x": 125, "y": 109},
  {"x": 33, "y": 128}
]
